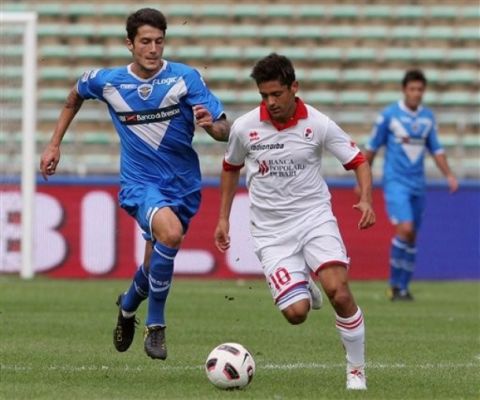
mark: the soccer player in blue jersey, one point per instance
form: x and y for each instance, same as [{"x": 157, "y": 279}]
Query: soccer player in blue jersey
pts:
[
  {"x": 154, "y": 105},
  {"x": 407, "y": 129}
]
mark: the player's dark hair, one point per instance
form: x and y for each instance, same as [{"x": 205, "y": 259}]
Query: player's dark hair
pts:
[
  {"x": 145, "y": 16},
  {"x": 414, "y": 75},
  {"x": 274, "y": 67}
]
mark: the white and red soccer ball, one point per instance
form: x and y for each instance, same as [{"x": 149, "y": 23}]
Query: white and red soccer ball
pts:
[{"x": 230, "y": 366}]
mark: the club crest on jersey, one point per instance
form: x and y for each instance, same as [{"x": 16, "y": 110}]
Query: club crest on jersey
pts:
[
  {"x": 253, "y": 135},
  {"x": 308, "y": 134},
  {"x": 263, "y": 167},
  {"x": 144, "y": 91}
]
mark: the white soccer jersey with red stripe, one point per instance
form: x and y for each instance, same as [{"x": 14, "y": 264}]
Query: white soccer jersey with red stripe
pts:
[{"x": 283, "y": 167}]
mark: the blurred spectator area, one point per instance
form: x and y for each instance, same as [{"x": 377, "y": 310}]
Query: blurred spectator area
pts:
[{"x": 349, "y": 58}]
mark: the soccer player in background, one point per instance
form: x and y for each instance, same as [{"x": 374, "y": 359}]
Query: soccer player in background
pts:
[
  {"x": 406, "y": 129},
  {"x": 154, "y": 105},
  {"x": 280, "y": 143}
]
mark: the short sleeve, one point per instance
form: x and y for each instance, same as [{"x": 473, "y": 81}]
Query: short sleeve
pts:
[
  {"x": 236, "y": 150},
  {"x": 379, "y": 135},
  {"x": 198, "y": 93},
  {"x": 340, "y": 144},
  {"x": 433, "y": 143},
  {"x": 91, "y": 84}
]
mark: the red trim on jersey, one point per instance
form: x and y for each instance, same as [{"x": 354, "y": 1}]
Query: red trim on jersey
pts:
[
  {"x": 329, "y": 264},
  {"x": 350, "y": 325},
  {"x": 230, "y": 167},
  {"x": 288, "y": 289},
  {"x": 355, "y": 162},
  {"x": 301, "y": 112}
]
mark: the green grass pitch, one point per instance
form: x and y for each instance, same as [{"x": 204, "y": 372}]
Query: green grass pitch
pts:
[{"x": 56, "y": 343}]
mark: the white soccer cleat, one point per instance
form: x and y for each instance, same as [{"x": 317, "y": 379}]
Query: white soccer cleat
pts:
[
  {"x": 316, "y": 295},
  {"x": 356, "y": 379}
]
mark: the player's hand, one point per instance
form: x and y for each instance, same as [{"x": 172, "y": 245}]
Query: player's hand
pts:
[
  {"x": 49, "y": 161},
  {"x": 222, "y": 238},
  {"x": 452, "y": 183},
  {"x": 368, "y": 215},
  {"x": 203, "y": 117}
]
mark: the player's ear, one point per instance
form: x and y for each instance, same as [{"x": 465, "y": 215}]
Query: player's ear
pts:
[
  {"x": 129, "y": 44},
  {"x": 294, "y": 86}
]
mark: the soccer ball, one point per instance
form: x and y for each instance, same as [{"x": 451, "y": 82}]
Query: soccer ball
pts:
[{"x": 230, "y": 366}]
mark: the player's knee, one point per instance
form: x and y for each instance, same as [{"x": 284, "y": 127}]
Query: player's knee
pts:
[
  {"x": 297, "y": 313},
  {"x": 406, "y": 232},
  {"x": 169, "y": 237},
  {"x": 295, "y": 318},
  {"x": 340, "y": 297}
]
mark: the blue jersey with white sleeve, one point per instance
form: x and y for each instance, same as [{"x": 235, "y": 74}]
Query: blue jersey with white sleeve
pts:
[
  {"x": 155, "y": 122},
  {"x": 406, "y": 135}
]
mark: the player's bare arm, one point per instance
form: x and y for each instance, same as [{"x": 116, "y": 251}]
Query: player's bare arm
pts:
[
  {"x": 51, "y": 155},
  {"x": 442, "y": 164},
  {"x": 228, "y": 186},
  {"x": 364, "y": 205},
  {"x": 219, "y": 129}
]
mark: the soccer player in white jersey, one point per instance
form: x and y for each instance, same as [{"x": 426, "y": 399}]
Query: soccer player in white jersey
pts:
[
  {"x": 281, "y": 143},
  {"x": 406, "y": 129},
  {"x": 154, "y": 105}
]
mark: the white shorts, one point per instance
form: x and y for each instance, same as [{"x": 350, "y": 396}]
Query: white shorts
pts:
[{"x": 288, "y": 259}]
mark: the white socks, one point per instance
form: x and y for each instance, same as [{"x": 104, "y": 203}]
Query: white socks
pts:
[{"x": 352, "y": 334}]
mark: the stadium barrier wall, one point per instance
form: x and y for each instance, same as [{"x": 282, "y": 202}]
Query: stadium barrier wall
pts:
[{"x": 80, "y": 232}]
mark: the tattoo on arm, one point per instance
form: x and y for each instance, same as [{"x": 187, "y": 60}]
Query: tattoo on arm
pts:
[
  {"x": 224, "y": 130},
  {"x": 74, "y": 101}
]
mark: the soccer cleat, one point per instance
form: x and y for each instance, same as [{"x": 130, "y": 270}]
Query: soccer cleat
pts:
[
  {"x": 356, "y": 379},
  {"x": 124, "y": 330},
  {"x": 316, "y": 294},
  {"x": 392, "y": 293},
  {"x": 154, "y": 342},
  {"x": 396, "y": 294},
  {"x": 404, "y": 295}
]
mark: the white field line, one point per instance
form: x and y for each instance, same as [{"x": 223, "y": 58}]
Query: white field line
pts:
[{"x": 281, "y": 367}]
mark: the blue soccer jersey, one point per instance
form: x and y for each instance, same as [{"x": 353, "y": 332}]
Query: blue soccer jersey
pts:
[
  {"x": 406, "y": 134},
  {"x": 155, "y": 122}
]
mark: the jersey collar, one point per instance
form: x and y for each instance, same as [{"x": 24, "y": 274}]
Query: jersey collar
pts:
[
  {"x": 403, "y": 107},
  {"x": 301, "y": 112},
  {"x": 164, "y": 66}
]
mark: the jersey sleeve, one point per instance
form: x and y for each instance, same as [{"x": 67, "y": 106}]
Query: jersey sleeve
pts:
[
  {"x": 433, "y": 144},
  {"x": 342, "y": 146},
  {"x": 236, "y": 150},
  {"x": 91, "y": 84},
  {"x": 379, "y": 134},
  {"x": 198, "y": 93}
]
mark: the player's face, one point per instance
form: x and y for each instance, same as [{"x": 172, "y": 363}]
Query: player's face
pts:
[
  {"x": 413, "y": 93},
  {"x": 279, "y": 99},
  {"x": 147, "y": 51}
]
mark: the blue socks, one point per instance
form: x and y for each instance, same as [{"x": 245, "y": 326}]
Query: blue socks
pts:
[
  {"x": 160, "y": 279},
  {"x": 397, "y": 255},
  {"x": 137, "y": 292},
  {"x": 402, "y": 263},
  {"x": 408, "y": 267}
]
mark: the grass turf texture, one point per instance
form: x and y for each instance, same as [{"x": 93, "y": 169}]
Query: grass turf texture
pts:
[{"x": 56, "y": 343}]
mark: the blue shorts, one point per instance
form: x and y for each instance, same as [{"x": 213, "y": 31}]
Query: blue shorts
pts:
[
  {"x": 403, "y": 204},
  {"x": 140, "y": 201}
]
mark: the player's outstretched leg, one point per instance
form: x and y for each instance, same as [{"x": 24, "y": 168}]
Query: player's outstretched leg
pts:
[
  {"x": 160, "y": 279},
  {"x": 352, "y": 334},
  {"x": 124, "y": 330},
  {"x": 127, "y": 306}
]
